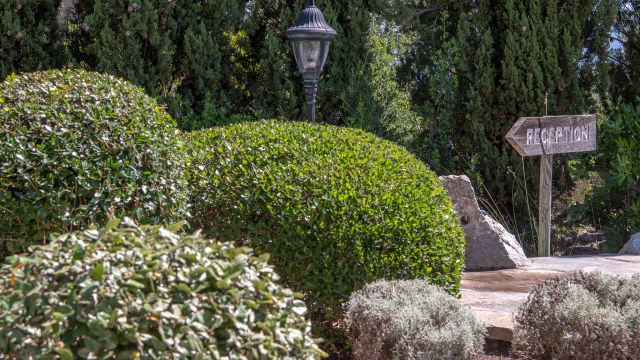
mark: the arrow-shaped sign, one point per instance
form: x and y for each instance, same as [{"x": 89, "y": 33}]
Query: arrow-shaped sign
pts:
[{"x": 547, "y": 135}]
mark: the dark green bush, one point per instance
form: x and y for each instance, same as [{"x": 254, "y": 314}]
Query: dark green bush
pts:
[
  {"x": 76, "y": 147},
  {"x": 30, "y": 37},
  {"x": 615, "y": 205},
  {"x": 587, "y": 316},
  {"x": 176, "y": 50},
  {"x": 147, "y": 292},
  {"x": 336, "y": 207},
  {"x": 411, "y": 320}
]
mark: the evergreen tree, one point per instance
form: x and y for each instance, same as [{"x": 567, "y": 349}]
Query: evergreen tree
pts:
[
  {"x": 433, "y": 25},
  {"x": 274, "y": 88},
  {"x": 278, "y": 83},
  {"x": 351, "y": 19},
  {"x": 30, "y": 37},
  {"x": 275, "y": 84},
  {"x": 376, "y": 102},
  {"x": 207, "y": 60},
  {"x": 175, "y": 49},
  {"x": 626, "y": 54},
  {"x": 511, "y": 59}
]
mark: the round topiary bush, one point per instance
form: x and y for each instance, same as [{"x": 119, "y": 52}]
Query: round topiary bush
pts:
[
  {"x": 147, "y": 292},
  {"x": 76, "y": 147},
  {"x": 411, "y": 320},
  {"x": 335, "y": 207},
  {"x": 587, "y": 316}
]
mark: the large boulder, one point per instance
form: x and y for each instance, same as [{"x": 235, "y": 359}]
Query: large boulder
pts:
[
  {"x": 489, "y": 245},
  {"x": 632, "y": 247}
]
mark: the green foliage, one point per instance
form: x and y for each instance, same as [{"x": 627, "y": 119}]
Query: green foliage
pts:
[
  {"x": 411, "y": 320},
  {"x": 336, "y": 207},
  {"x": 344, "y": 93},
  {"x": 30, "y": 38},
  {"x": 336, "y": 98},
  {"x": 581, "y": 316},
  {"x": 76, "y": 147},
  {"x": 626, "y": 53},
  {"x": 147, "y": 292},
  {"x": 207, "y": 60},
  {"x": 177, "y": 50},
  {"x": 442, "y": 88},
  {"x": 273, "y": 87},
  {"x": 375, "y": 101},
  {"x": 444, "y": 79},
  {"x": 615, "y": 205},
  {"x": 478, "y": 66}
]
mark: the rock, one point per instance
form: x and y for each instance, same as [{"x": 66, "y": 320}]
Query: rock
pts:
[
  {"x": 592, "y": 237},
  {"x": 587, "y": 242},
  {"x": 489, "y": 245},
  {"x": 632, "y": 247}
]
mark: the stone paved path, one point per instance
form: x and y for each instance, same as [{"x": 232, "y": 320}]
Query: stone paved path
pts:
[{"x": 494, "y": 296}]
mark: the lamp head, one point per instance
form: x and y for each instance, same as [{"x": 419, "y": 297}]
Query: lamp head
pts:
[{"x": 311, "y": 37}]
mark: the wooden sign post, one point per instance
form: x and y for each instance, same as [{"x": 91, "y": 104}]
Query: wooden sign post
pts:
[{"x": 546, "y": 136}]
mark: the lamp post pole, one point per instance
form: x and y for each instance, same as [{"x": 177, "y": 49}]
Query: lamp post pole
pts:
[
  {"x": 310, "y": 90},
  {"x": 311, "y": 37}
]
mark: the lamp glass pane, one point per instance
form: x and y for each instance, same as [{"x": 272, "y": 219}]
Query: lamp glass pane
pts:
[
  {"x": 310, "y": 54},
  {"x": 324, "y": 52}
]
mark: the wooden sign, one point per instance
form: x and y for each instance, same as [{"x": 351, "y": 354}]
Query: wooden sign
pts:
[
  {"x": 532, "y": 136},
  {"x": 546, "y": 136}
]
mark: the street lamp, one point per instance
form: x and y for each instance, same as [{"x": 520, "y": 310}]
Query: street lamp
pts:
[{"x": 311, "y": 37}]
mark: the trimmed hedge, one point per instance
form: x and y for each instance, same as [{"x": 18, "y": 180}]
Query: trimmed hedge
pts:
[
  {"x": 411, "y": 320},
  {"x": 147, "y": 292},
  {"x": 76, "y": 147},
  {"x": 335, "y": 207},
  {"x": 587, "y": 316}
]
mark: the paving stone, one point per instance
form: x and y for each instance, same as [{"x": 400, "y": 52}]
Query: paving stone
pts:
[{"x": 494, "y": 296}]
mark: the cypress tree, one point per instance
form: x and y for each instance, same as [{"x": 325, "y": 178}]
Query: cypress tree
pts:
[
  {"x": 375, "y": 101},
  {"x": 274, "y": 88},
  {"x": 30, "y": 37},
  {"x": 626, "y": 54},
  {"x": 351, "y": 19},
  {"x": 206, "y": 60},
  {"x": 514, "y": 59},
  {"x": 174, "y": 49}
]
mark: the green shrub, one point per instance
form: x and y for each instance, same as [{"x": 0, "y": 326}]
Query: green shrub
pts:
[
  {"x": 411, "y": 320},
  {"x": 147, "y": 292},
  {"x": 335, "y": 207},
  {"x": 76, "y": 147},
  {"x": 615, "y": 205},
  {"x": 581, "y": 316}
]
